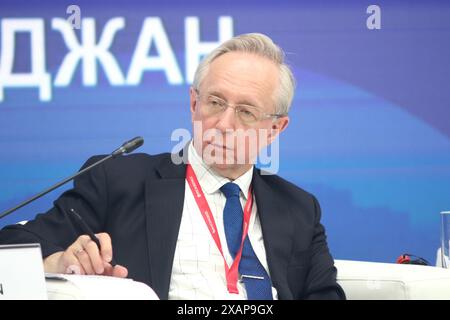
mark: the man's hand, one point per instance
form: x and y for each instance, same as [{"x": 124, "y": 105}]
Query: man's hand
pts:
[{"x": 84, "y": 257}]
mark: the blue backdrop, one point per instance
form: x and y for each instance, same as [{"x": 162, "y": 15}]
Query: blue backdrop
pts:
[{"x": 369, "y": 132}]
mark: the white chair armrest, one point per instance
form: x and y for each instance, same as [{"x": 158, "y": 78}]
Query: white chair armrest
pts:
[{"x": 386, "y": 281}]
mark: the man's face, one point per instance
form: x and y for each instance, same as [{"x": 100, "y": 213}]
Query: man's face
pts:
[{"x": 227, "y": 139}]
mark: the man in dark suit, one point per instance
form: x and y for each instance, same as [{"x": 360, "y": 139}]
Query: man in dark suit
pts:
[{"x": 212, "y": 226}]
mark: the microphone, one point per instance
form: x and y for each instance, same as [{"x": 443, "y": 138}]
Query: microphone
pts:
[{"x": 127, "y": 147}]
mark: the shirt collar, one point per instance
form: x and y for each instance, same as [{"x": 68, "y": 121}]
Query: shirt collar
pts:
[{"x": 209, "y": 180}]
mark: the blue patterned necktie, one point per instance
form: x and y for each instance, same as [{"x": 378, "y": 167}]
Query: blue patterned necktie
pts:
[{"x": 250, "y": 268}]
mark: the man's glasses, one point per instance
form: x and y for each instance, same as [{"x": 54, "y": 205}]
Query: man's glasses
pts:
[{"x": 213, "y": 106}]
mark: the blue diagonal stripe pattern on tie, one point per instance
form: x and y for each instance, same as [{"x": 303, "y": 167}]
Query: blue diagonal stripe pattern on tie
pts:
[{"x": 257, "y": 289}]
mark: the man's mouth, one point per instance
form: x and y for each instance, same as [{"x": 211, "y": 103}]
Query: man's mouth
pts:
[{"x": 219, "y": 146}]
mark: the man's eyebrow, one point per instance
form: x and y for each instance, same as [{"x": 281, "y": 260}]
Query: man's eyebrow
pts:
[
  {"x": 217, "y": 94},
  {"x": 243, "y": 101}
]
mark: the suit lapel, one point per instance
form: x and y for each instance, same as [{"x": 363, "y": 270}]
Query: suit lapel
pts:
[
  {"x": 164, "y": 199},
  {"x": 278, "y": 232}
]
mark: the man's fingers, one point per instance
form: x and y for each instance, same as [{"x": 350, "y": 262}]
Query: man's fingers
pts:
[
  {"x": 94, "y": 255},
  {"x": 85, "y": 254},
  {"x": 70, "y": 263},
  {"x": 106, "y": 246},
  {"x": 74, "y": 269},
  {"x": 108, "y": 269},
  {"x": 116, "y": 271},
  {"x": 84, "y": 260},
  {"x": 81, "y": 249},
  {"x": 120, "y": 271}
]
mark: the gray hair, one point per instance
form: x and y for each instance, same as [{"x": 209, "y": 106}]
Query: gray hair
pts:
[{"x": 260, "y": 45}]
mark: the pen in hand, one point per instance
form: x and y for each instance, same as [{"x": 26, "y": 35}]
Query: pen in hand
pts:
[{"x": 88, "y": 231}]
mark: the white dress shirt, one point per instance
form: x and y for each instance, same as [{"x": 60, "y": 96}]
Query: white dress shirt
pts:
[{"x": 198, "y": 268}]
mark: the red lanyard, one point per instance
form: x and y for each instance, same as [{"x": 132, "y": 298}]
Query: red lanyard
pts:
[{"x": 230, "y": 273}]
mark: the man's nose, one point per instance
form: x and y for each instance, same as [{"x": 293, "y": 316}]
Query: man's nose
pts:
[{"x": 227, "y": 120}]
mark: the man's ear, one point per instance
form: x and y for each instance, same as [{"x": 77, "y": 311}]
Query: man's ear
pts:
[
  {"x": 278, "y": 126},
  {"x": 193, "y": 99}
]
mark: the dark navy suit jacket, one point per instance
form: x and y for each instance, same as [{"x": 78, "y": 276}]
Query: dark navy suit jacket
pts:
[{"x": 138, "y": 199}]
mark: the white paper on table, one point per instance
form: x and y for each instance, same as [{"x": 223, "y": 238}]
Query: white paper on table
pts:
[{"x": 97, "y": 287}]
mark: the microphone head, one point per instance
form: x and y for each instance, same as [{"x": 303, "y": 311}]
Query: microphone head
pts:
[
  {"x": 133, "y": 144},
  {"x": 129, "y": 146}
]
